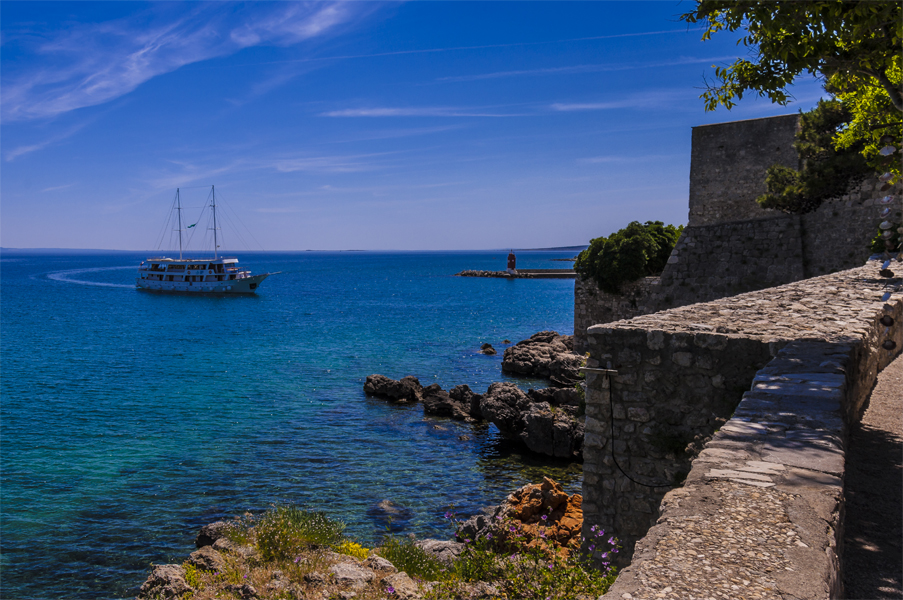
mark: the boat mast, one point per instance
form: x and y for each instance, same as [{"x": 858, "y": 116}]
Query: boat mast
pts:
[
  {"x": 213, "y": 191},
  {"x": 179, "y": 212}
]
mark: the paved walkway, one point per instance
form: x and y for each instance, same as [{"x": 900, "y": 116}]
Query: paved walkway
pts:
[{"x": 873, "y": 555}]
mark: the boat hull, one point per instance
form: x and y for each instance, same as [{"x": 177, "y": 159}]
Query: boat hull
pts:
[{"x": 247, "y": 285}]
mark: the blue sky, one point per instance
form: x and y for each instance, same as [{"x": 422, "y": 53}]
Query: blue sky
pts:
[{"x": 408, "y": 126}]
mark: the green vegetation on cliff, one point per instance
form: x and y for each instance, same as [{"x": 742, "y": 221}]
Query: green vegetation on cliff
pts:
[
  {"x": 638, "y": 250},
  {"x": 825, "y": 172}
]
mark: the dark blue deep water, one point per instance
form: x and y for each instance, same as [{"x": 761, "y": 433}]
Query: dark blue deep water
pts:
[{"x": 131, "y": 419}]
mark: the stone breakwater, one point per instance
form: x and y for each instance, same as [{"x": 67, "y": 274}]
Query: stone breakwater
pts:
[
  {"x": 522, "y": 274},
  {"x": 774, "y": 378}
]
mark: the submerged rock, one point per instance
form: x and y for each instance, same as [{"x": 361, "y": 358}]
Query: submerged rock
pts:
[
  {"x": 488, "y": 350},
  {"x": 390, "y": 514}
]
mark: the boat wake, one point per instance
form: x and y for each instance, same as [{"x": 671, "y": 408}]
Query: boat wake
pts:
[{"x": 67, "y": 277}]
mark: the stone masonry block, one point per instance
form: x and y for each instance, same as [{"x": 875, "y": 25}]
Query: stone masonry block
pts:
[
  {"x": 637, "y": 413},
  {"x": 684, "y": 359}
]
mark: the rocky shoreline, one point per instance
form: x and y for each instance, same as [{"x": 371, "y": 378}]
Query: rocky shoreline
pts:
[
  {"x": 230, "y": 559},
  {"x": 546, "y": 421}
]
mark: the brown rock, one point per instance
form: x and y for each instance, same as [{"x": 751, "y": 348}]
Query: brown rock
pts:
[
  {"x": 544, "y": 354},
  {"x": 527, "y": 507},
  {"x": 406, "y": 389},
  {"x": 207, "y": 559},
  {"x": 164, "y": 582},
  {"x": 210, "y": 533}
]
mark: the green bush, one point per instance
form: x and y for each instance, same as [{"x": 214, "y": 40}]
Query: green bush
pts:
[
  {"x": 878, "y": 245},
  {"x": 633, "y": 252},
  {"x": 285, "y": 530},
  {"x": 825, "y": 172},
  {"x": 406, "y": 556}
]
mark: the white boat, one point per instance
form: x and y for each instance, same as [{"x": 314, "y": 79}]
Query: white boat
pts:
[{"x": 217, "y": 275}]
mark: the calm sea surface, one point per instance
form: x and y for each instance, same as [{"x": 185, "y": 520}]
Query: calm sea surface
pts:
[{"x": 129, "y": 420}]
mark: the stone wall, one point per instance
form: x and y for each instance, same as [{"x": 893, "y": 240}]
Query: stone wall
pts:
[
  {"x": 722, "y": 259},
  {"x": 681, "y": 373},
  {"x": 731, "y": 245},
  {"x": 725, "y": 259},
  {"x": 728, "y": 163}
]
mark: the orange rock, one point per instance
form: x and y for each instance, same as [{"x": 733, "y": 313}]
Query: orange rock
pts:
[{"x": 564, "y": 514}]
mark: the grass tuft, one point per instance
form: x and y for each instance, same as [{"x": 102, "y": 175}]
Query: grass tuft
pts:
[
  {"x": 406, "y": 556},
  {"x": 286, "y": 530}
]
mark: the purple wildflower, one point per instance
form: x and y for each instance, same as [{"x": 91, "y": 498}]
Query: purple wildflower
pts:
[
  {"x": 488, "y": 536},
  {"x": 612, "y": 541},
  {"x": 390, "y": 590},
  {"x": 593, "y": 528},
  {"x": 592, "y": 547},
  {"x": 544, "y": 517}
]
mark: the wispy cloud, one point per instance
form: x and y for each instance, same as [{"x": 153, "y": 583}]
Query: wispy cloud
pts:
[
  {"x": 590, "y": 68},
  {"x": 95, "y": 63},
  {"x": 644, "y": 100},
  {"x": 622, "y": 159},
  {"x": 327, "y": 164},
  {"x": 29, "y": 148},
  {"x": 56, "y": 188},
  {"x": 432, "y": 111}
]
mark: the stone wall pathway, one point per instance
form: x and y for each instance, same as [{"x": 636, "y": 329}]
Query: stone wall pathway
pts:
[
  {"x": 759, "y": 513},
  {"x": 873, "y": 556}
]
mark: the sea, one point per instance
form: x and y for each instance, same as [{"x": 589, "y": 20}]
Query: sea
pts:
[{"x": 128, "y": 419}]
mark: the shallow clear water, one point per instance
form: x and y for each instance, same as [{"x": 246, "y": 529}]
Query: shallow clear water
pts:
[{"x": 131, "y": 419}]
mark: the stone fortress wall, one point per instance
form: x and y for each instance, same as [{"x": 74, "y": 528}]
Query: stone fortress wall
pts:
[
  {"x": 766, "y": 385},
  {"x": 730, "y": 244},
  {"x": 716, "y": 427}
]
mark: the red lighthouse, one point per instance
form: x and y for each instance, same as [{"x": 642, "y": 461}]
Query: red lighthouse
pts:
[{"x": 512, "y": 262}]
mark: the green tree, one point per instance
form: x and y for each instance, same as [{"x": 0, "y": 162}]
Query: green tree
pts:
[
  {"x": 854, "y": 47},
  {"x": 633, "y": 252},
  {"x": 826, "y": 172}
]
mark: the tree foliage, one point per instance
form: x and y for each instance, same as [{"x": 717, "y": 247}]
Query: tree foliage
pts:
[
  {"x": 854, "y": 47},
  {"x": 825, "y": 172},
  {"x": 633, "y": 252}
]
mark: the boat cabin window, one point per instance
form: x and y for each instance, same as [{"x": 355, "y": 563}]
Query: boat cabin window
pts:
[{"x": 176, "y": 268}]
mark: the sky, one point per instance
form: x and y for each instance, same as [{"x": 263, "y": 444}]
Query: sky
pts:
[{"x": 352, "y": 125}]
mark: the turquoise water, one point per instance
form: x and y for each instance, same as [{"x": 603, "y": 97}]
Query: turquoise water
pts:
[{"x": 131, "y": 419}]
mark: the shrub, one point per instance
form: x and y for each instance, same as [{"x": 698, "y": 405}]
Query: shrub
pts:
[
  {"x": 285, "y": 530},
  {"x": 352, "y": 549},
  {"x": 406, "y": 556},
  {"x": 878, "y": 245},
  {"x": 825, "y": 171},
  {"x": 525, "y": 566},
  {"x": 633, "y": 252}
]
